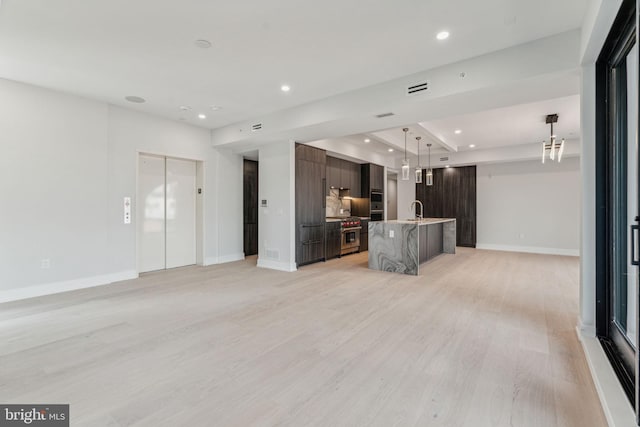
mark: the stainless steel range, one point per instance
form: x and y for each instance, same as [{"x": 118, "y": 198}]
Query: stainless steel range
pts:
[{"x": 350, "y": 231}]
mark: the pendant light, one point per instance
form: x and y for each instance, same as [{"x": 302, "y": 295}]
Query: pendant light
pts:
[
  {"x": 405, "y": 162},
  {"x": 552, "y": 146},
  {"x": 429, "y": 176},
  {"x": 418, "y": 168}
]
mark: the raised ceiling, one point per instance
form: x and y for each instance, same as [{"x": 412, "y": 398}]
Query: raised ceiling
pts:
[
  {"x": 500, "y": 128},
  {"x": 107, "y": 50}
]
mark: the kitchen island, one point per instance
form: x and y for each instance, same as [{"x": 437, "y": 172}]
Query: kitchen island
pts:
[{"x": 401, "y": 246}]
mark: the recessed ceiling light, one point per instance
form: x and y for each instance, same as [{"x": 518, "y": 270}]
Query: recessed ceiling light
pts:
[
  {"x": 202, "y": 116},
  {"x": 390, "y": 150},
  {"x": 442, "y": 35},
  {"x": 447, "y": 166},
  {"x": 185, "y": 108},
  {"x": 367, "y": 140},
  {"x": 285, "y": 88},
  {"x": 135, "y": 99},
  {"x": 457, "y": 131},
  {"x": 202, "y": 44},
  {"x": 472, "y": 146}
]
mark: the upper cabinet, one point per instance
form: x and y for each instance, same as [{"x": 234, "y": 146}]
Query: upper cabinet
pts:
[
  {"x": 343, "y": 174},
  {"x": 372, "y": 179},
  {"x": 377, "y": 178},
  {"x": 333, "y": 173}
]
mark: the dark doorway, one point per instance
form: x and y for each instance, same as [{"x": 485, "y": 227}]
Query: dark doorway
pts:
[{"x": 250, "y": 210}]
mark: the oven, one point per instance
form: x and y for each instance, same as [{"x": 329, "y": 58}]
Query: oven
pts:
[
  {"x": 350, "y": 235},
  {"x": 376, "y": 216},
  {"x": 350, "y": 240}
]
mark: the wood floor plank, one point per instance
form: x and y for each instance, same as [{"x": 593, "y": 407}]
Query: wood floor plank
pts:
[{"x": 479, "y": 338}]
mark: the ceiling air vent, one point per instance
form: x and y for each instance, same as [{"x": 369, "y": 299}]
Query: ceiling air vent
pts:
[
  {"x": 418, "y": 88},
  {"x": 256, "y": 127},
  {"x": 380, "y": 116},
  {"x": 444, "y": 159}
]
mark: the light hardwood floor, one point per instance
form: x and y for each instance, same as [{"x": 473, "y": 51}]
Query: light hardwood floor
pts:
[{"x": 480, "y": 338}]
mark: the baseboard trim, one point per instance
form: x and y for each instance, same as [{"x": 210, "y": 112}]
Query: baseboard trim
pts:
[
  {"x": 616, "y": 406},
  {"x": 586, "y": 330},
  {"x": 529, "y": 249},
  {"x": 276, "y": 265},
  {"x": 17, "y": 294},
  {"x": 223, "y": 259}
]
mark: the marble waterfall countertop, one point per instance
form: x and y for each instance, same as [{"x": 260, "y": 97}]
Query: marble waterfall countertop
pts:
[
  {"x": 400, "y": 246},
  {"x": 421, "y": 221}
]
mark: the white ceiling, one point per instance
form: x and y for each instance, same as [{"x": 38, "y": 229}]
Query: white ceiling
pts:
[
  {"x": 518, "y": 124},
  {"x": 496, "y": 128},
  {"x": 111, "y": 49},
  {"x": 354, "y": 144}
]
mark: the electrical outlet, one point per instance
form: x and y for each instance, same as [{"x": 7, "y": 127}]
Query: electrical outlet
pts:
[
  {"x": 392, "y": 234},
  {"x": 45, "y": 263}
]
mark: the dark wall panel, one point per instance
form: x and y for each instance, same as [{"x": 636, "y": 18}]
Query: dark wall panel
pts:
[{"x": 452, "y": 195}]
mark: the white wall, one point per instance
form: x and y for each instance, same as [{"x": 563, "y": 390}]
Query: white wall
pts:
[
  {"x": 529, "y": 206},
  {"x": 406, "y": 195},
  {"x": 67, "y": 163},
  {"x": 276, "y": 222},
  {"x": 53, "y": 181}
]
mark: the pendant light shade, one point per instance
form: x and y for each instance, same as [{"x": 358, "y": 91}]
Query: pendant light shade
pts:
[
  {"x": 418, "y": 168},
  {"x": 405, "y": 162},
  {"x": 429, "y": 174}
]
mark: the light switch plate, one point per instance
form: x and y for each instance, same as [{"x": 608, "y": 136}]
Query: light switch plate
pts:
[
  {"x": 392, "y": 234},
  {"x": 127, "y": 210}
]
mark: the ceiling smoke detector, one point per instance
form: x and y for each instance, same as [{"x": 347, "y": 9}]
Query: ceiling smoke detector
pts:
[
  {"x": 202, "y": 44},
  {"x": 135, "y": 99}
]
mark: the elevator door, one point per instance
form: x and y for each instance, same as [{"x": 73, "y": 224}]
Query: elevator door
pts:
[
  {"x": 166, "y": 213},
  {"x": 181, "y": 213}
]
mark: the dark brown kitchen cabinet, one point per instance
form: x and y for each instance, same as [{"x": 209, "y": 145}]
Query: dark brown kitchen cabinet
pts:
[
  {"x": 350, "y": 177},
  {"x": 364, "y": 235},
  {"x": 333, "y": 238},
  {"x": 452, "y": 195},
  {"x": 310, "y": 165},
  {"x": 372, "y": 179},
  {"x": 250, "y": 207},
  {"x": 343, "y": 174},
  {"x": 333, "y": 173},
  {"x": 377, "y": 178}
]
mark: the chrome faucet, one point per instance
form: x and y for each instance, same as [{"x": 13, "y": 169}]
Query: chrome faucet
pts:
[{"x": 411, "y": 208}]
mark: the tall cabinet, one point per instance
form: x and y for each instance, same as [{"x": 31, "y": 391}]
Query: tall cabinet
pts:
[
  {"x": 372, "y": 192},
  {"x": 311, "y": 187},
  {"x": 452, "y": 195}
]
